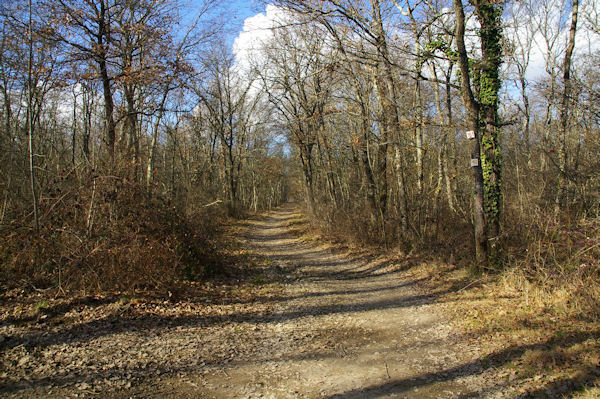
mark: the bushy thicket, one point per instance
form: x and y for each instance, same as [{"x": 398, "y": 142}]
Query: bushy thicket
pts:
[{"x": 105, "y": 234}]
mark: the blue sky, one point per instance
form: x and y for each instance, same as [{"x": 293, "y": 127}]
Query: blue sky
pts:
[
  {"x": 240, "y": 10},
  {"x": 234, "y": 11},
  {"x": 243, "y": 9}
]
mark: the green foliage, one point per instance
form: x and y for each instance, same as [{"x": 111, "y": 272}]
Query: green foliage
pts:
[
  {"x": 491, "y": 163},
  {"x": 440, "y": 44},
  {"x": 489, "y": 85},
  {"x": 490, "y": 35},
  {"x": 41, "y": 305}
]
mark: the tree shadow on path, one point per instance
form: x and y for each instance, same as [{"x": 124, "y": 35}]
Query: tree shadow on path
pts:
[{"x": 478, "y": 366}]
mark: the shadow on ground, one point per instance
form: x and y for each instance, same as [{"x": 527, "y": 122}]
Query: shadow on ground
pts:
[{"x": 317, "y": 264}]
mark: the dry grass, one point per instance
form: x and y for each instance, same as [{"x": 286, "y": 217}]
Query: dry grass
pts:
[{"x": 549, "y": 349}]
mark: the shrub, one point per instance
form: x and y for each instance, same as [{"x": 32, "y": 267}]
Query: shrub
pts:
[{"x": 111, "y": 236}]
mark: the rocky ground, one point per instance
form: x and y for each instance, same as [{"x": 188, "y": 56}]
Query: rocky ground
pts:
[{"x": 313, "y": 324}]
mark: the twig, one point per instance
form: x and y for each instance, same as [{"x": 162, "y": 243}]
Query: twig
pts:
[
  {"x": 213, "y": 203},
  {"x": 471, "y": 283},
  {"x": 90, "y": 221},
  {"x": 32, "y": 286},
  {"x": 56, "y": 203},
  {"x": 387, "y": 371},
  {"x": 582, "y": 251}
]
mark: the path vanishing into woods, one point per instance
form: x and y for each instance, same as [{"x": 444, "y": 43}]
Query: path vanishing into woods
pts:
[
  {"x": 343, "y": 328},
  {"x": 327, "y": 326}
]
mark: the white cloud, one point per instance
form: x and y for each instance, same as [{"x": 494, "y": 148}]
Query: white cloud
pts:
[
  {"x": 548, "y": 29},
  {"x": 256, "y": 33}
]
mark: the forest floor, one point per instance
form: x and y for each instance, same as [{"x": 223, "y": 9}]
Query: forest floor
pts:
[{"x": 310, "y": 321}]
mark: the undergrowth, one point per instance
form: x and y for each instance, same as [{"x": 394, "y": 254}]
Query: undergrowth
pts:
[
  {"x": 111, "y": 236},
  {"x": 557, "y": 264}
]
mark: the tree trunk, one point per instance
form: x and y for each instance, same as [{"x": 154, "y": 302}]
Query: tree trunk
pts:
[
  {"x": 490, "y": 19},
  {"x": 306, "y": 159},
  {"x": 30, "y": 126},
  {"x": 564, "y": 113},
  {"x": 481, "y": 249},
  {"x": 101, "y": 58},
  {"x": 419, "y": 124},
  {"x": 131, "y": 139},
  {"x": 74, "y": 129}
]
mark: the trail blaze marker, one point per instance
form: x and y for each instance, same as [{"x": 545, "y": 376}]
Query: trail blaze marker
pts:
[
  {"x": 470, "y": 134},
  {"x": 474, "y": 162}
]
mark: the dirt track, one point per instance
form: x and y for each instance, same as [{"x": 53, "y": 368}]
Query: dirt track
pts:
[
  {"x": 345, "y": 328},
  {"x": 332, "y": 327}
]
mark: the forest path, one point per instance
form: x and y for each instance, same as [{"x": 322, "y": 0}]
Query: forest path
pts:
[
  {"x": 343, "y": 328},
  {"x": 311, "y": 323}
]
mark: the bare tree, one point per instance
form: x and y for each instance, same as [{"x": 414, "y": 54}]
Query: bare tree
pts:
[{"x": 564, "y": 108}]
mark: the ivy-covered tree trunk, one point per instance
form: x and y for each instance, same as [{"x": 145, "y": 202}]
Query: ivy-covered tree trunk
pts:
[
  {"x": 473, "y": 112},
  {"x": 489, "y": 14}
]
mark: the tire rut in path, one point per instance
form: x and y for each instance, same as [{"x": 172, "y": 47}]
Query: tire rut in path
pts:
[{"x": 344, "y": 328}]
